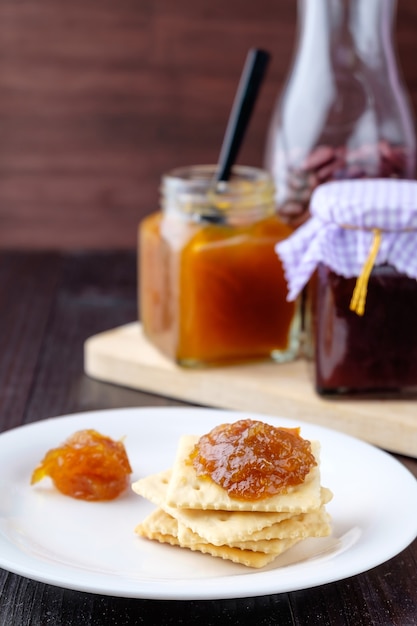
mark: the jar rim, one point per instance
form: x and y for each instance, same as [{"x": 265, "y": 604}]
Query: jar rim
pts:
[
  {"x": 250, "y": 192},
  {"x": 206, "y": 173}
]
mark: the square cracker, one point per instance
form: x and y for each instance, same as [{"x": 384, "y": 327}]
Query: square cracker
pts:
[
  {"x": 313, "y": 524},
  {"x": 217, "y": 527},
  {"x": 187, "y": 490},
  {"x": 154, "y": 488},
  {"x": 160, "y": 526}
]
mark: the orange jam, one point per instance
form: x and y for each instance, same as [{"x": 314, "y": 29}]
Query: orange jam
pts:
[
  {"x": 212, "y": 290},
  {"x": 88, "y": 466},
  {"x": 252, "y": 460}
]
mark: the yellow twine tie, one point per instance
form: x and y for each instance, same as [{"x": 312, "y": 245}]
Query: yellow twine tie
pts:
[{"x": 357, "y": 303}]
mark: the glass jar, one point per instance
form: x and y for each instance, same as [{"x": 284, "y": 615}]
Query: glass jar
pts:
[
  {"x": 344, "y": 112},
  {"x": 211, "y": 287},
  {"x": 357, "y": 254}
]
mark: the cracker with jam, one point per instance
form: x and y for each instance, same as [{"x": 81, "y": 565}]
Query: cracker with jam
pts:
[{"x": 245, "y": 492}]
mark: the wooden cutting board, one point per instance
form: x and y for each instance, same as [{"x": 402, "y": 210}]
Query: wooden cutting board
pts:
[{"x": 124, "y": 357}]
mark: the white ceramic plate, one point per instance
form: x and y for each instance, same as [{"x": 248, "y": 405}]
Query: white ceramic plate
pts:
[{"x": 92, "y": 546}]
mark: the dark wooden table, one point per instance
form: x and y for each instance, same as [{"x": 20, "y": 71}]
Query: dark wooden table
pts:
[{"x": 49, "y": 304}]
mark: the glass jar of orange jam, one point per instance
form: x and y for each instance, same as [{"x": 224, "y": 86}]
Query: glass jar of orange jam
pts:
[{"x": 211, "y": 288}]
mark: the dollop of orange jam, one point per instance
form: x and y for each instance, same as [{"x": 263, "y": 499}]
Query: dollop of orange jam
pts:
[
  {"x": 252, "y": 460},
  {"x": 88, "y": 466}
]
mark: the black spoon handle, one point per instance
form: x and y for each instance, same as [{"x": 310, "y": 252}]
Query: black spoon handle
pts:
[{"x": 246, "y": 95}]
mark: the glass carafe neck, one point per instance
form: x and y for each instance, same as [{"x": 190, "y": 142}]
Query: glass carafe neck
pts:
[{"x": 346, "y": 30}]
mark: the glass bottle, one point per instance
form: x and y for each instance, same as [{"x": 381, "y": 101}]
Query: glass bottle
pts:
[
  {"x": 344, "y": 112},
  {"x": 211, "y": 287}
]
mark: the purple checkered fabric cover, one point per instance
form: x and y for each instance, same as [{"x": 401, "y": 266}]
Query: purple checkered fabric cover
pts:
[{"x": 339, "y": 232}]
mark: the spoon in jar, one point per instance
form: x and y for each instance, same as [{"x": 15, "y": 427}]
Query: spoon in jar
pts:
[
  {"x": 246, "y": 95},
  {"x": 247, "y": 92}
]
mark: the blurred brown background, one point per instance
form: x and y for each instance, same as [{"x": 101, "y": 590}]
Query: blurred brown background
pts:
[{"x": 99, "y": 97}]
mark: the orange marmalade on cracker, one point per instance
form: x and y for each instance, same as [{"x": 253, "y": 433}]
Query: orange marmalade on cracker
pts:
[
  {"x": 252, "y": 460},
  {"x": 88, "y": 466}
]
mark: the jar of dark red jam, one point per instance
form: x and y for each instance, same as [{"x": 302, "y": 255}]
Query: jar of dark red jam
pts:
[
  {"x": 358, "y": 255},
  {"x": 212, "y": 290}
]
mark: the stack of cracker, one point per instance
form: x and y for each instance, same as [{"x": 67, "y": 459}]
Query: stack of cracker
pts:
[{"x": 194, "y": 512}]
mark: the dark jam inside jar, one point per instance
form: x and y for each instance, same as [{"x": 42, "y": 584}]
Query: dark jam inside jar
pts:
[
  {"x": 371, "y": 354},
  {"x": 297, "y": 182}
]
